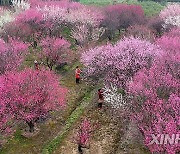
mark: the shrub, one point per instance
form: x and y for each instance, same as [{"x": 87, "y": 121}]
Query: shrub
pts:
[{"x": 121, "y": 16}]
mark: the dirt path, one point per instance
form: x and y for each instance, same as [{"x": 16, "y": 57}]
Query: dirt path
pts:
[{"x": 102, "y": 140}]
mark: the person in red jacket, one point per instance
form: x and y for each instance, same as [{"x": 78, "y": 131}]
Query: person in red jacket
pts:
[
  {"x": 100, "y": 98},
  {"x": 77, "y": 74}
]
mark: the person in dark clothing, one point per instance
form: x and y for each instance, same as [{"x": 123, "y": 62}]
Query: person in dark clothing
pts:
[
  {"x": 36, "y": 65},
  {"x": 100, "y": 98}
]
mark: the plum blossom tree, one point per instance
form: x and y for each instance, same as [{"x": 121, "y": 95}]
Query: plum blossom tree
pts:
[
  {"x": 140, "y": 31},
  {"x": 83, "y": 135},
  {"x": 171, "y": 15},
  {"x": 83, "y": 21},
  {"x": 156, "y": 93},
  {"x": 54, "y": 51},
  {"x": 114, "y": 97},
  {"x": 29, "y": 95},
  {"x": 20, "y": 5},
  {"x": 121, "y": 16},
  {"x": 117, "y": 64},
  {"x": 32, "y": 20},
  {"x": 169, "y": 42},
  {"x": 12, "y": 55}
]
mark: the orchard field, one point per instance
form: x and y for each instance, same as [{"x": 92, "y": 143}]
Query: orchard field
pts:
[{"x": 89, "y": 77}]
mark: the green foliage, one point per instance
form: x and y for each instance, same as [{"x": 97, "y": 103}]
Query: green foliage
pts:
[
  {"x": 5, "y": 2},
  {"x": 150, "y": 8},
  {"x": 101, "y": 2}
]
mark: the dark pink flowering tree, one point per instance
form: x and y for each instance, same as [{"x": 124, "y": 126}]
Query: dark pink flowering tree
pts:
[
  {"x": 29, "y": 95},
  {"x": 33, "y": 22},
  {"x": 83, "y": 135},
  {"x": 155, "y": 104},
  {"x": 12, "y": 55},
  {"x": 54, "y": 51},
  {"x": 121, "y": 16},
  {"x": 156, "y": 92},
  {"x": 117, "y": 64},
  {"x": 169, "y": 42}
]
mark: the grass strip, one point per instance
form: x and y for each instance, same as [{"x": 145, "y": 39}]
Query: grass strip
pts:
[{"x": 76, "y": 114}]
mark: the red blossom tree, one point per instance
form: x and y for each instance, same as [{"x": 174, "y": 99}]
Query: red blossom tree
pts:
[
  {"x": 169, "y": 42},
  {"x": 29, "y": 95},
  {"x": 30, "y": 26}
]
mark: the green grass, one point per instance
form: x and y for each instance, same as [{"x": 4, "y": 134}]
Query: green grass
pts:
[
  {"x": 150, "y": 8},
  {"x": 49, "y": 130},
  {"x": 99, "y": 2},
  {"x": 76, "y": 114}
]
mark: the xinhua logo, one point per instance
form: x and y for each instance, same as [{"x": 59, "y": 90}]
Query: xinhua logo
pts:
[{"x": 165, "y": 139}]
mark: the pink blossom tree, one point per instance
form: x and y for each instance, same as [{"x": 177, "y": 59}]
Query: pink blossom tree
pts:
[
  {"x": 117, "y": 64},
  {"x": 33, "y": 22},
  {"x": 121, "y": 16},
  {"x": 169, "y": 42},
  {"x": 12, "y": 55},
  {"x": 156, "y": 105},
  {"x": 83, "y": 21},
  {"x": 155, "y": 91},
  {"x": 140, "y": 31},
  {"x": 29, "y": 95},
  {"x": 83, "y": 135},
  {"x": 171, "y": 15},
  {"x": 54, "y": 51}
]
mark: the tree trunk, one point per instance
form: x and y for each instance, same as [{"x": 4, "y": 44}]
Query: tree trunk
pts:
[
  {"x": 31, "y": 126},
  {"x": 80, "y": 149}
]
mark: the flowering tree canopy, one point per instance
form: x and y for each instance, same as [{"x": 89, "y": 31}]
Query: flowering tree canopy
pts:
[
  {"x": 29, "y": 95},
  {"x": 120, "y": 62},
  {"x": 169, "y": 42},
  {"x": 84, "y": 132},
  {"x": 121, "y": 16},
  {"x": 171, "y": 15},
  {"x": 54, "y": 51},
  {"x": 156, "y": 93},
  {"x": 12, "y": 55},
  {"x": 83, "y": 21}
]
